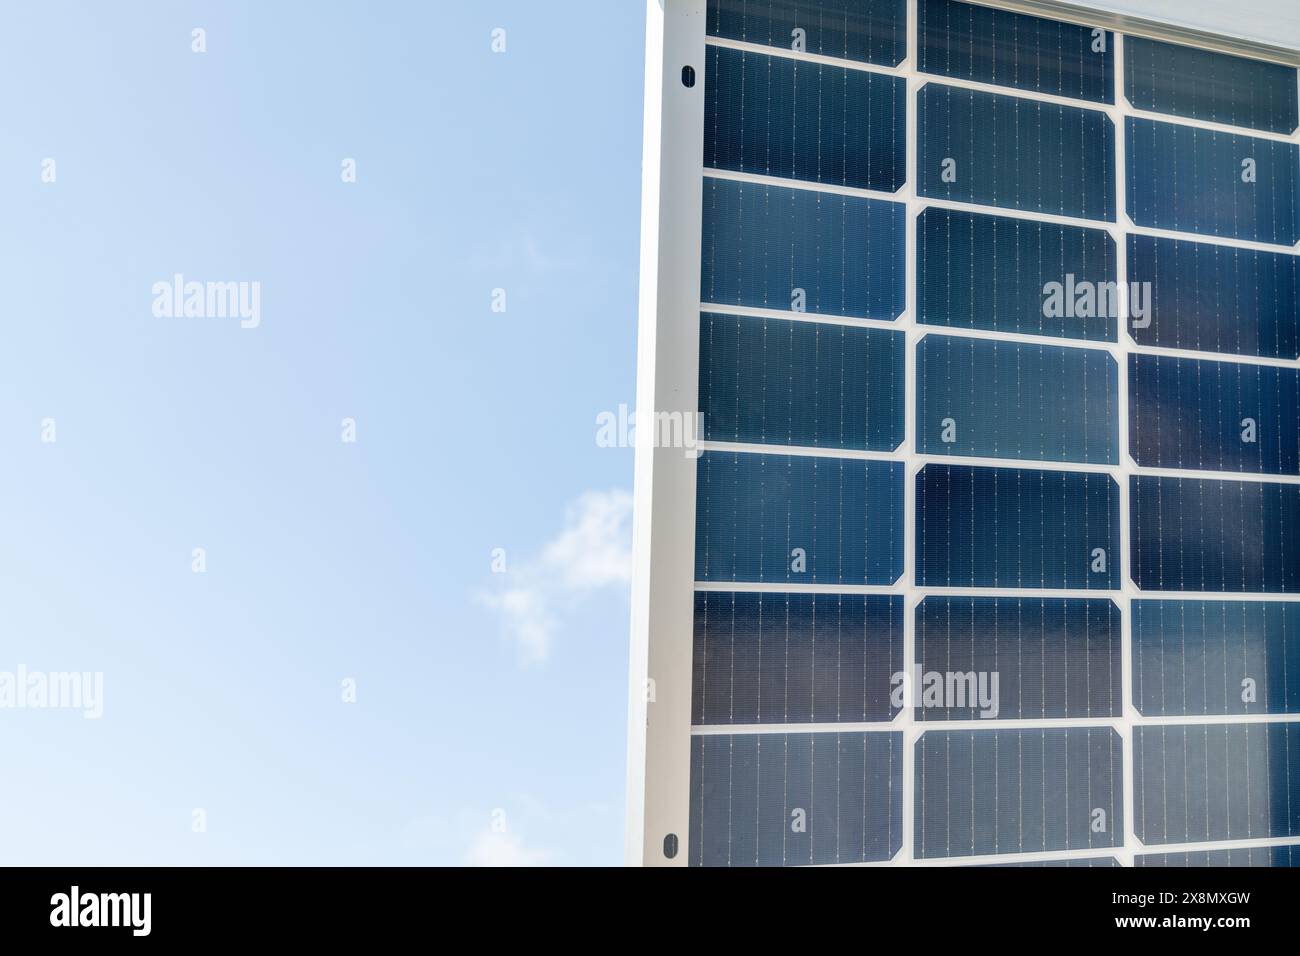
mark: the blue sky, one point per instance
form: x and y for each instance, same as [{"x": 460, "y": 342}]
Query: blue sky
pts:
[{"x": 481, "y": 698}]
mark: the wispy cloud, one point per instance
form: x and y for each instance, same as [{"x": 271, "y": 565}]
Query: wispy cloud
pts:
[
  {"x": 491, "y": 848},
  {"x": 593, "y": 551}
]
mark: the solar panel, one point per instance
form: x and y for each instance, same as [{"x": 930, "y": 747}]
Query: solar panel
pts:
[
  {"x": 1193, "y": 658},
  {"x": 1204, "y": 415},
  {"x": 777, "y": 116},
  {"x": 984, "y": 792},
  {"x": 988, "y": 553},
  {"x": 1016, "y": 528},
  {"x": 986, "y": 398},
  {"x": 798, "y": 519},
  {"x": 1009, "y": 151},
  {"x": 1200, "y": 85},
  {"x": 1213, "y": 183},
  {"x": 1054, "y": 657},
  {"x": 770, "y": 247},
  {"x": 976, "y": 271},
  {"x": 795, "y": 658},
  {"x": 1207, "y": 297},
  {"x": 973, "y": 42},
  {"x": 774, "y": 382}
]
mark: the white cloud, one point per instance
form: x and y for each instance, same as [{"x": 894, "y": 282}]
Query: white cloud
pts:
[
  {"x": 591, "y": 552},
  {"x": 503, "y": 849}
]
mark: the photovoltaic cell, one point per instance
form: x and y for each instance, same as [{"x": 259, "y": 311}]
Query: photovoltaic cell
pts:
[
  {"x": 1212, "y": 298},
  {"x": 777, "y": 116},
  {"x": 872, "y": 31},
  {"x": 798, "y": 520},
  {"x": 779, "y": 382},
  {"x": 1194, "y": 658},
  {"x": 1012, "y": 49},
  {"x": 977, "y": 271},
  {"x": 1053, "y": 657},
  {"x": 1214, "y": 87},
  {"x": 795, "y": 799},
  {"x": 981, "y": 792},
  {"x": 1189, "y": 179},
  {"x": 1214, "y": 416},
  {"x": 1285, "y": 855},
  {"x": 793, "y": 249},
  {"x": 983, "y": 398},
  {"x": 1016, "y": 528},
  {"x": 1210, "y": 782},
  {"x": 999, "y": 150},
  {"x": 795, "y": 658},
  {"x": 1192, "y": 534}
]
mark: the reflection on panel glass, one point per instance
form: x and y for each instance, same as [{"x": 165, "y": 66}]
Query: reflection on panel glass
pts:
[
  {"x": 990, "y": 399},
  {"x": 981, "y": 792},
  {"x": 1012, "y": 49},
  {"x": 1216, "y": 657},
  {"x": 1214, "y": 298},
  {"x": 1014, "y": 658},
  {"x": 795, "y": 799},
  {"x": 977, "y": 271},
  {"x": 1286, "y": 855},
  {"x": 780, "y": 382},
  {"x": 1000, "y": 150},
  {"x": 1218, "y": 184},
  {"x": 795, "y": 658},
  {"x": 1193, "y": 534},
  {"x": 872, "y": 31},
  {"x": 798, "y": 520},
  {"x": 1214, "y": 87},
  {"x": 1216, "y": 782},
  {"x": 1016, "y": 528},
  {"x": 792, "y": 249},
  {"x": 777, "y": 116},
  {"x": 1214, "y": 416}
]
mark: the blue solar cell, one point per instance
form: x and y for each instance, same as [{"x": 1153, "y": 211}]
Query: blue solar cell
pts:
[
  {"x": 1016, "y": 528},
  {"x": 1012, "y": 49},
  {"x": 981, "y": 792},
  {"x": 792, "y": 249},
  {"x": 1216, "y": 657},
  {"x": 872, "y": 31},
  {"x": 1214, "y": 87},
  {"x": 990, "y": 399},
  {"x": 777, "y": 116},
  {"x": 1214, "y": 416},
  {"x": 795, "y": 658},
  {"x": 1192, "y": 534},
  {"x": 778, "y": 382},
  {"x": 1036, "y": 657},
  {"x": 1216, "y": 782},
  {"x": 798, "y": 520},
  {"x": 795, "y": 799},
  {"x": 1278, "y": 856},
  {"x": 999, "y": 150},
  {"x": 977, "y": 271},
  {"x": 1212, "y": 298},
  {"x": 1189, "y": 179}
]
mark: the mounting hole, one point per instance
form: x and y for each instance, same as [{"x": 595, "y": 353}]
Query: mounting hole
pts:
[
  {"x": 688, "y": 81},
  {"x": 670, "y": 841}
]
